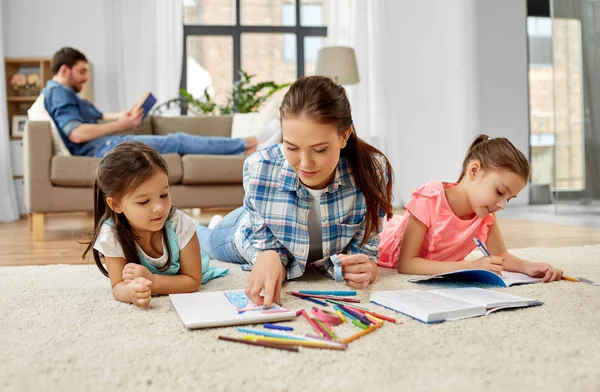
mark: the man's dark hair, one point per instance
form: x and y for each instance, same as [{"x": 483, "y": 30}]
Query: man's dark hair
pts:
[{"x": 66, "y": 56}]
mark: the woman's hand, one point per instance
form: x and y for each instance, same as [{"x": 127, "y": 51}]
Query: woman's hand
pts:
[
  {"x": 543, "y": 270},
  {"x": 358, "y": 270},
  {"x": 268, "y": 272},
  {"x": 494, "y": 264},
  {"x": 131, "y": 271},
  {"x": 140, "y": 292}
]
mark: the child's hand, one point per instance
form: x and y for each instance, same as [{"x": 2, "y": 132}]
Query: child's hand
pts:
[
  {"x": 493, "y": 264},
  {"x": 140, "y": 292},
  {"x": 268, "y": 272},
  {"x": 357, "y": 270},
  {"x": 544, "y": 271},
  {"x": 131, "y": 271}
]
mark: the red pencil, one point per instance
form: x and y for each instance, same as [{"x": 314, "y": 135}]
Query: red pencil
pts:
[{"x": 312, "y": 324}]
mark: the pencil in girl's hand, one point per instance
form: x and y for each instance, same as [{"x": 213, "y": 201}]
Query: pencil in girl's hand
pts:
[{"x": 262, "y": 344}]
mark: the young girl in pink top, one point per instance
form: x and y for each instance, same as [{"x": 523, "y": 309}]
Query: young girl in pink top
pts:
[{"x": 436, "y": 232}]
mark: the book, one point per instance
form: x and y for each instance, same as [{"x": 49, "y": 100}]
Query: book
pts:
[
  {"x": 435, "y": 306},
  {"x": 145, "y": 103},
  {"x": 224, "y": 308},
  {"x": 506, "y": 279}
]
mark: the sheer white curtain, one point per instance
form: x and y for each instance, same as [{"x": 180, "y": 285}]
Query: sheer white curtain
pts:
[
  {"x": 426, "y": 73},
  {"x": 362, "y": 24},
  {"x": 9, "y": 209},
  {"x": 144, "y": 50}
]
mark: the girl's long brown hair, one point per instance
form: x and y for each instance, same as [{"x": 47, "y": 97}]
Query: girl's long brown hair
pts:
[
  {"x": 323, "y": 101},
  {"x": 496, "y": 153},
  {"x": 119, "y": 172}
]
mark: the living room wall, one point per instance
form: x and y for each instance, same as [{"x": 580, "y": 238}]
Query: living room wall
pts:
[
  {"x": 453, "y": 69},
  {"x": 40, "y": 27}
]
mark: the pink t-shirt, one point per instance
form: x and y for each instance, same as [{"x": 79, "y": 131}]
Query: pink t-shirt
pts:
[{"x": 448, "y": 238}]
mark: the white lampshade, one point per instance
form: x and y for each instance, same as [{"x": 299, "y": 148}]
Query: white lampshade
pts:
[{"x": 338, "y": 63}]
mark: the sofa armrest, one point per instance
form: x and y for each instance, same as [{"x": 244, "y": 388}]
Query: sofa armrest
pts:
[{"x": 37, "y": 146}]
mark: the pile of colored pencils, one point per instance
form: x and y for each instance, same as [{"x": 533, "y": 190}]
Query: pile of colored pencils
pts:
[{"x": 325, "y": 337}]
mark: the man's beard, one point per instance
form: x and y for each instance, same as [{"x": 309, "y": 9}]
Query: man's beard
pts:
[{"x": 76, "y": 87}]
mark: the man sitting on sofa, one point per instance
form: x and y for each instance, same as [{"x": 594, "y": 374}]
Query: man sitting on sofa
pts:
[{"x": 77, "y": 119}]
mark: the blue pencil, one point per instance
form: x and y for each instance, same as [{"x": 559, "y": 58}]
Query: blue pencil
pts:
[
  {"x": 336, "y": 293},
  {"x": 279, "y": 327},
  {"x": 314, "y": 300},
  {"x": 270, "y": 334}
]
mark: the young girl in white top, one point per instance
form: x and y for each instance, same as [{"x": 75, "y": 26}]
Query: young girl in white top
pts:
[{"x": 148, "y": 246}]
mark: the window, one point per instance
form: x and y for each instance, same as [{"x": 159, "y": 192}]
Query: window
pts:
[
  {"x": 556, "y": 103},
  {"x": 266, "y": 38}
]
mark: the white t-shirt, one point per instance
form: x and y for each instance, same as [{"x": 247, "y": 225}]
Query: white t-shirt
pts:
[
  {"x": 108, "y": 244},
  {"x": 315, "y": 227}
]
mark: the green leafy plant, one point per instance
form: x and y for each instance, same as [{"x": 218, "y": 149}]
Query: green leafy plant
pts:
[
  {"x": 206, "y": 106},
  {"x": 244, "y": 97}
]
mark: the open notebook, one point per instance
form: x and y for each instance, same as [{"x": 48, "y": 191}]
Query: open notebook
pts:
[
  {"x": 434, "y": 306},
  {"x": 223, "y": 308},
  {"x": 482, "y": 276}
]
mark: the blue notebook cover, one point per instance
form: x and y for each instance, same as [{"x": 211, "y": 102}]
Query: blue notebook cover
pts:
[{"x": 481, "y": 276}]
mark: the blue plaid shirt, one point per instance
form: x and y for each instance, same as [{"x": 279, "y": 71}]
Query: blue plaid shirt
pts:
[{"x": 276, "y": 213}]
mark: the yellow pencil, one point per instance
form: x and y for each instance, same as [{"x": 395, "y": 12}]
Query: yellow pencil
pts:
[
  {"x": 361, "y": 333},
  {"x": 341, "y": 316},
  {"x": 374, "y": 319},
  {"x": 570, "y": 279},
  {"x": 303, "y": 343}
]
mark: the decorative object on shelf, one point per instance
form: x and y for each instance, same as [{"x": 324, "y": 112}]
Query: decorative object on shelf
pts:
[
  {"x": 244, "y": 97},
  {"x": 18, "y": 125},
  {"x": 27, "y": 85}
]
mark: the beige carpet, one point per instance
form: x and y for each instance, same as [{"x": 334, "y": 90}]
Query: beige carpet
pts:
[{"x": 61, "y": 330}]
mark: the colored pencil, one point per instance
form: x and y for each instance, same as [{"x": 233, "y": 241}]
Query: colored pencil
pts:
[
  {"x": 334, "y": 293},
  {"x": 278, "y": 327},
  {"x": 380, "y": 316},
  {"x": 320, "y": 326},
  {"x": 373, "y": 319},
  {"x": 365, "y": 312},
  {"x": 328, "y": 331},
  {"x": 570, "y": 279},
  {"x": 360, "y": 325},
  {"x": 359, "y": 316},
  {"x": 316, "y": 301},
  {"x": 361, "y": 333},
  {"x": 312, "y": 324},
  {"x": 270, "y": 334},
  {"x": 341, "y": 316},
  {"x": 343, "y": 299},
  {"x": 348, "y": 315},
  {"x": 302, "y": 343},
  {"x": 262, "y": 344},
  {"x": 333, "y": 301}
]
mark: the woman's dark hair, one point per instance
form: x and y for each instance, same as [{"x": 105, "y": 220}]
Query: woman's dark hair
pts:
[
  {"x": 496, "y": 153},
  {"x": 66, "y": 56},
  {"x": 322, "y": 100},
  {"x": 119, "y": 172}
]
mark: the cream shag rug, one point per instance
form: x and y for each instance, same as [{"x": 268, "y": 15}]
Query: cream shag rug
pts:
[{"x": 61, "y": 330}]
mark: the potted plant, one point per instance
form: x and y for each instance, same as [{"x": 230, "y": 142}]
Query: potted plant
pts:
[{"x": 244, "y": 97}]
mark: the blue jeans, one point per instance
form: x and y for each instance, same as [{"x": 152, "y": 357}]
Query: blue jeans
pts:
[
  {"x": 180, "y": 143},
  {"x": 219, "y": 243}
]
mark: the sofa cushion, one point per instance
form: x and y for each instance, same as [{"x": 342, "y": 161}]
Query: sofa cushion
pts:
[
  {"x": 205, "y": 126},
  {"x": 75, "y": 171},
  {"x": 212, "y": 169}
]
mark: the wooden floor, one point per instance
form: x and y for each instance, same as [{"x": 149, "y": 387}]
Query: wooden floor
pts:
[{"x": 63, "y": 230}]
